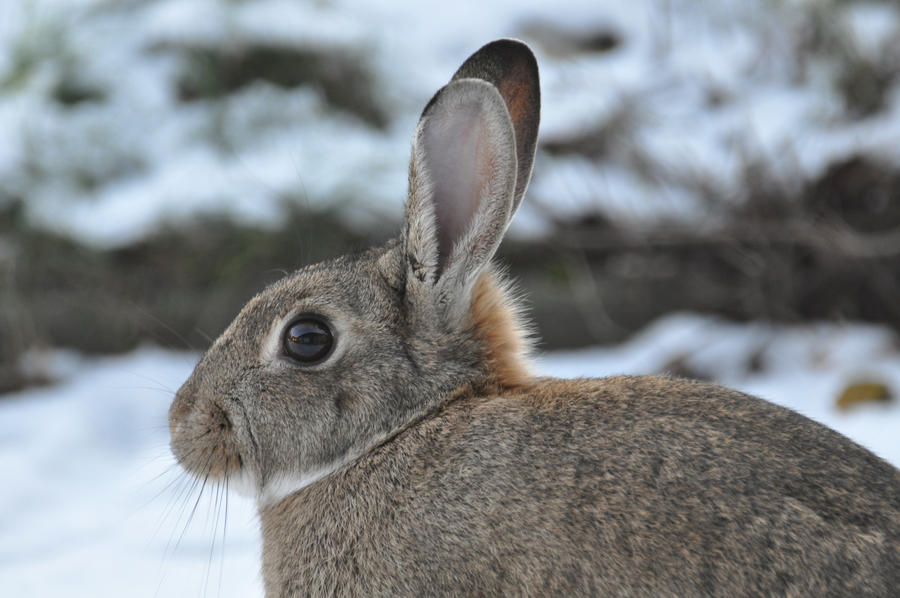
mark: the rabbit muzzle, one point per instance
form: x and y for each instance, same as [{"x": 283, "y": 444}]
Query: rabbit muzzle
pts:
[{"x": 203, "y": 436}]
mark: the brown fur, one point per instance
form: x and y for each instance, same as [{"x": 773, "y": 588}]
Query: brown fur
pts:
[
  {"x": 497, "y": 321},
  {"x": 622, "y": 498}
]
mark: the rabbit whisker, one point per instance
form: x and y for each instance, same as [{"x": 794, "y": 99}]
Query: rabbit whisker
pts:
[{"x": 193, "y": 511}]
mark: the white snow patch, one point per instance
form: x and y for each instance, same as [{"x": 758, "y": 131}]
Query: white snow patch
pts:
[
  {"x": 95, "y": 505},
  {"x": 709, "y": 88}
]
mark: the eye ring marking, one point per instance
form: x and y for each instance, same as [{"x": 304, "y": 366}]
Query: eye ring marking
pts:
[{"x": 307, "y": 340}]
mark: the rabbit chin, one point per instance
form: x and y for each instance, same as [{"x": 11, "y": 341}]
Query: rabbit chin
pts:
[{"x": 243, "y": 482}]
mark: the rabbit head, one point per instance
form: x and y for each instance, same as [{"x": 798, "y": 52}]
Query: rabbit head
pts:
[{"x": 341, "y": 355}]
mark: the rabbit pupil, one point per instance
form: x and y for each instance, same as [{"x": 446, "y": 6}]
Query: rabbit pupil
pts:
[{"x": 308, "y": 340}]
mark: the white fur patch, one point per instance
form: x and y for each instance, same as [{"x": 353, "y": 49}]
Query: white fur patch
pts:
[
  {"x": 281, "y": 486},
  {"x": 284, "y": 485},
  {"x": 244, "y": 483}
]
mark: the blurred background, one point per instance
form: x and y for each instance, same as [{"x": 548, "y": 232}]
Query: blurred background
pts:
[{"x": 716, "y": 195}]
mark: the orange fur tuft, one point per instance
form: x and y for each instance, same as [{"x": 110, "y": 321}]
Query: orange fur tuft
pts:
[{"x": 498, "y": 323}]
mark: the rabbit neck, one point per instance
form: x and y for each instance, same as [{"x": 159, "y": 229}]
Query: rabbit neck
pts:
[{"x": 498, "y": 323}]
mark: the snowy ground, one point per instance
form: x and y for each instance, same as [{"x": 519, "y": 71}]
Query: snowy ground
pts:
[
  {"x": 92, "y": 505},
  {"x": 692, "y": 94}
]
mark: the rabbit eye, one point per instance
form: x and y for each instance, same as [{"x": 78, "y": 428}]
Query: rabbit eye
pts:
[{"x": 308, "y": 340}]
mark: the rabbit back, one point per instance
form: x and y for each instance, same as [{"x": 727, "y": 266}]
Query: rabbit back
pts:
[{"x": 626, "y": 486}]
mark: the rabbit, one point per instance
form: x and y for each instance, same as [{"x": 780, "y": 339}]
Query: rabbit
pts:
[{"x": 382, "y": 410}]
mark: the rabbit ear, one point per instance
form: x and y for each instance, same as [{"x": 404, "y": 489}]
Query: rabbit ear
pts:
[
  {"x": 510, "y": 66},
  {"x": 462, "y": 177}
]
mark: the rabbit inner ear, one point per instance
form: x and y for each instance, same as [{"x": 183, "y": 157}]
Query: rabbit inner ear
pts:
[
  {"x": 456, "y": 154},
  {"x": 462, "y": 179}
]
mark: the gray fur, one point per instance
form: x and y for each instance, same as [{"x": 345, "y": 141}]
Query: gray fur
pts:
[{"x": 421, "y": 458}]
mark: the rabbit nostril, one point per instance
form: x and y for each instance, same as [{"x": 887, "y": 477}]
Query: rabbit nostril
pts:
[
  {"x": 225, "y": 422},
  {"x": 218, "y": 418}
]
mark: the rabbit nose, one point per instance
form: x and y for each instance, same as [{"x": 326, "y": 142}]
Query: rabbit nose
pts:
[
  {"x": 192, "y": 406},
  {"x": 202, "y": 435}
]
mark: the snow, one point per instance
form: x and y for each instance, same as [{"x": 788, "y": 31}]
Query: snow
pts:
[
  {"x": 139, "y": 158},
  {"x": 94, "y": 504}
]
